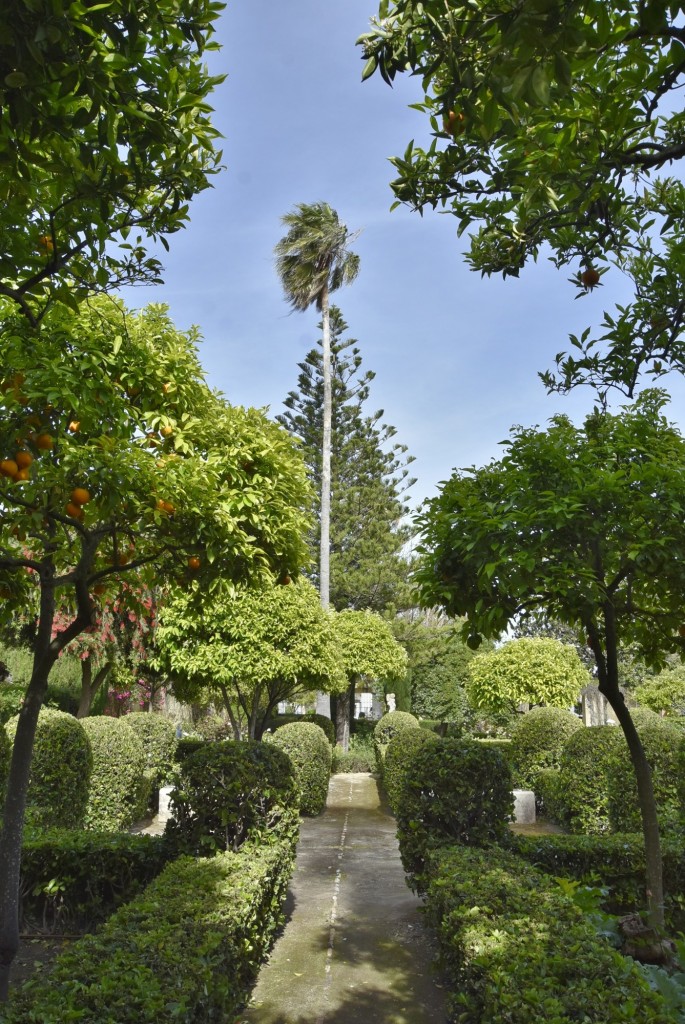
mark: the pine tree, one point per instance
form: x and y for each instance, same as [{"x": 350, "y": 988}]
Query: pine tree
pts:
[{"x": 369, "y": 475}]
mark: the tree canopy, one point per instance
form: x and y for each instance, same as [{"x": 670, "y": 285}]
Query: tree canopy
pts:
[
  {"x": 105, "y": 136},
  {"x": 551, "y": 123}
]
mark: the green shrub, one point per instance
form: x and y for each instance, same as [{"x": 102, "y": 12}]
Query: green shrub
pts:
[
  {"x": 398, "y": 761},
  {"x": 515, "y": 949},
  {"x": 186, "y": 950},
  {"x": 361, "y": 756},
  {"x": 549, "y": 796},
  {"x": 61, "y": 770},
  {"x": 213, "y": 727},
  {"x": 537, "y": 740},
  {"x": 363, "y": 728},
  {"x": 310, "y": 753},
  {"x": 229, "y": 792},
  {"x": 584, "y": 777},
  {"x": 328, "y": 726},
  {"x": 661, "y": 742},
  {"x": 185, "y": 747},
  {"x": 11, "y": 700},
  {"x": 457, "y": 791},
  {"x": 77, "y": 879},
  {"x": 387, "y": 727},
  {"x": 119, "y": 786},
  {"x": 158, "y": 736}
]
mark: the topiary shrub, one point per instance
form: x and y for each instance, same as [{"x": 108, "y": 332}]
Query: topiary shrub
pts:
[
  {"x": 361, "y": 756},
  {"x": 398, "y": 761},
  {"x": 119, "y": 785},
  {"x": 61, "y": 770},
  {"x": 537, "y": 740},
  {"x": 549, "y": 796},
  {"x": 328, "y": 726},
  {"x": 187, "y": 746},
  {"x": 229, "y": 792},
  {"x": 11, "y": 700},
  {"x": 310, "y": 753},
  {"x": 458, "y": 791},
  {"x": 583, "y": 778},
  {"x": 387, "y": 727},
  {"x": 661, "y": 741},
  {"x": 158, "y": 736}
]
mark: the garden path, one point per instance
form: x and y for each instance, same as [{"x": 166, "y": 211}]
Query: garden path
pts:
[{"x": 354, "y": 947}]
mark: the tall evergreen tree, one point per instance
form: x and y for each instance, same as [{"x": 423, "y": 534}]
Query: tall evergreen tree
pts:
[{"x": 369, "y": 477}]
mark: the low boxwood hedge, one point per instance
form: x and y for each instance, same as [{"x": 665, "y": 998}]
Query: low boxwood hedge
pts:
[
  {"x": 158, "y": 736},
  {"x": 310, "y": 754},
  {"x": 515, "y": 949},
  {"x": 387, "y": 727},
  {"x": 328, "y": 726},
  {"x": 119, "y": 785},
  {"x": 76, "y": 879},
  {"x": 537, "y": 740},
  {"x": 398, "y": 760},
  {"x": 186, "y": 950}
]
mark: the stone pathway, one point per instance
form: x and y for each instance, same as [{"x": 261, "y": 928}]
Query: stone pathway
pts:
[{"x": 354, "y": 948}]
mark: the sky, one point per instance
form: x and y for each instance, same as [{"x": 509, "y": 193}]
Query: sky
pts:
[{"x": 456, "y": 356}]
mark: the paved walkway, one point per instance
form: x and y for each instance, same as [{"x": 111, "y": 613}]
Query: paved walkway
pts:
[{"x": 353, "y": 950}]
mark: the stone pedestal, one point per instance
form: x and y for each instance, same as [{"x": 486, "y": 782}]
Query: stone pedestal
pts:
[
  {"x": 524, "y": 807},
  {"x": 164, "y": 812},
  {"x": 594, "y": 706}
]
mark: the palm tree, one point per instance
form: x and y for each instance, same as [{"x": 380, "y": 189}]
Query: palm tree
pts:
[{"x": 313, "y": 259}]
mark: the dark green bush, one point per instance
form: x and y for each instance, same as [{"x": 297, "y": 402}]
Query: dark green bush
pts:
[
  {"x": 584, "y": 777},
  {"x": 61, "y": 770},
  {"x": 549, "y": 796},
  {"x": 76, "y": 879},
  {"x": 661, "y": 741},
  {"x": 515, "y": 949},
  {"x": 158, "y": 736},
  {"x": 185, "y": 747},
  {"x": 278, "y": 721},
  {"x": 398, "y": 761},
  {"x": 537, "y": 740},
  {"x": 361, "y": 756},
  {"x": 310, "y": 753},
  {"x": 363, "y": 728},
  {"x": 11, "y": 700},
  {"x": 229, "y": 792},
  {"x": 119, "y": 786},
  {"x": 387, "y": 727},
  {"x": 213, "y": 727},
  {"x": 457, "y": 791},
  {"x": 64, "y": 698},
  {"x": 186, "y": 951}
]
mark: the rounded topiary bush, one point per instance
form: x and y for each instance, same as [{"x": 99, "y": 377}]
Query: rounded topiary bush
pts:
[
  {"x": 398, "y": 760},
  {"x": 457, "y": 791},
  {"x": 583, "y": 777},
  {"x": 661, "y": 741},
  {"x": 231, "y": 791},
  {"x": 537, "y": 741},
  {"x": 387, "y": 727},
  {"x": 119, "y": 784},
  {"x": 310, "y": 753},
  {"x": 60, "y": 770},
  {"x": 158, "y": 736}
]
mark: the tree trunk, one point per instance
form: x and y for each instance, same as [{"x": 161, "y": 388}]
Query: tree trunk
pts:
[
  {"x": 344, "y": 713},
  {"x": 90, "y": 686},
  {"x": 323, "y": 702},
  {"x": 17, "y": 788}
]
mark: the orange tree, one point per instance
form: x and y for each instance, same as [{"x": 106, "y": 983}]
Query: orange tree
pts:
[
  {"x": 104, "y": 138},
  {"x": 585, "y": 524},
  {"x": 116, "y": 457}
]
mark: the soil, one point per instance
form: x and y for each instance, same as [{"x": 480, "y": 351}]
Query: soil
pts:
[{"x": 36, "y": 955}]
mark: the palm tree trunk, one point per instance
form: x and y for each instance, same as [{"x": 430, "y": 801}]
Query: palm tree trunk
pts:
[{"x": 325, "y": 536}]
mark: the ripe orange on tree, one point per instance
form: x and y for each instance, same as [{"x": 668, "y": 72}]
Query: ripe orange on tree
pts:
[
  {"x": 8, "y": 467},
  {"x": 74, "y": 427},
  {"x": 74, "y": 511},
  {"x": 80, "y": 496},
  {"x": 23, "y": 459},
  {"x": 194, "y": 563},
  {"x": 44, "y": 442},
  {"x": 590, "y": 277},
  {"x": 23, "y": 475}
]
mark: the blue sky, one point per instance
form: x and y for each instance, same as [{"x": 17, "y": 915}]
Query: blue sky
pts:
[{"x": 456, "y": 356}]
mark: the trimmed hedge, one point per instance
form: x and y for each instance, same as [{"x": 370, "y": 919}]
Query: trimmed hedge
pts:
[
  {"x": 387, "y": 727},
  {"x": 231, "y": 791},
  {"x": 187, "y": 746},
  {"x": 312, "y": 717},
  {"x": 158, "y": 736},
  {"x": 398, "y": 761},
  {"x": 188, "y": 949},
  {"x": 537, "y": 740},
  {"x": 457, "y": 791},
  {"x": 310, "y": 754},
  {"x": 661, "y": 741},
  {"x": 77, "y": 879},
  {"x": 583, "y": 778},
  {"x": 357, "y": 759},
  {"x": 61, "y": 770},
  {"x": 119, "y": 786},
  {"x": 515, "y": 949}
]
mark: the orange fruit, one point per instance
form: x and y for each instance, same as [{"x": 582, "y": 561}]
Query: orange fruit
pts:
[
  {"x": 44, "y": 442},
  {"x": 74, "y": 511},
  {"x": 454, "y": 123},
  {"x": 8, "y": 467},
  {"x": 46, "y": 242},
  {"x": 99, "y": 589},
  {"x": 590, "y": 277},
  {"x": 166, "y": 431},
  {"x": 194, "y": 563},
  {"x": 80, "y": 496},
  {"x": 23, "y": 474},
  {"x": 166, "y": 388},
  {"x": 169, "y": 508},
  {"x": 23, "y": 459},
  {"x": 74, "y": 427}
]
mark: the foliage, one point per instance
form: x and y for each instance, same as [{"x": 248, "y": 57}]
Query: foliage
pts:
[
  {"x": 310, "y": 754},
  {"x": 187, "y": 746},
  {"x": 309, "y": 716},
  {"x": 251, "y": 647},
  {"x": 73, "y": 880},
  {"x": 61, "y": 770},
  {"x": 664, "y": 691},
  {"x": 458, "y": 791},
  {"x": 512, "y": 943},
  {"x": 397, "y": 763},
  {"x": 188, "y": 948},
  {"x": 536, "y": 743},
  {"x": 105, "y": 138},
  {"x": 661, "y": 741},
  {"x": 386, "y": 727},
  {"x": 368, "y": 646},
  {"x": 584, "y": 777},
  {"x": 158, "y": 736},
  {"x": 232, "y": 792},
  {"x": 552, "y": 126},
  {"x": 360, "y": 757},
  {"x": 119, "y": 786},
  {"x": 368, "y": 478},
  {"x": 529, "y": 670}
]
